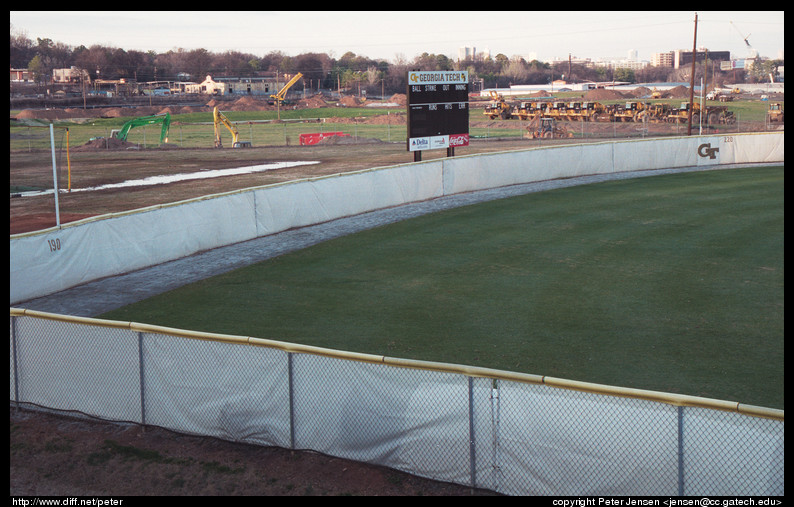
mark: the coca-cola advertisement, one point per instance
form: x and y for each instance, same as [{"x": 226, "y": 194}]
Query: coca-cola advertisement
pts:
[{"x": 459, "y": 140}]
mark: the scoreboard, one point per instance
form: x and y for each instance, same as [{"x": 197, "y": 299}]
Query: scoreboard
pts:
[{"x": 438, "y": 109}]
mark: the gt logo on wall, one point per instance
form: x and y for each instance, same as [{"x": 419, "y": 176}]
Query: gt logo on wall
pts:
[
  {"x": 708, "y": 151},
  {"x": 705, "y": 150}
]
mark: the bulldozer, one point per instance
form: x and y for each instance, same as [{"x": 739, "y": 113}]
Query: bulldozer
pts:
[
  {"x": 546, "y": 128},
  {"x": 775, "y": 113},
  {"x": 498, "y": 108}
]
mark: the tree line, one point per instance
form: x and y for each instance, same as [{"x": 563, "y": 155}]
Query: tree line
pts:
[{"x": 320, "y": 70}]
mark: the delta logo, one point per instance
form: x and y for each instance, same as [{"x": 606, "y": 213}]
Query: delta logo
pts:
[{"x": 419, "y": 142}]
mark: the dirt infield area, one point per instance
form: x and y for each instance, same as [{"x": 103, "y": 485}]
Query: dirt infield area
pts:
[{"x": 92, "y": 168}]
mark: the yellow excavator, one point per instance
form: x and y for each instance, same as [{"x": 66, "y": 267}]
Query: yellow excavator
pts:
[
  {"x": 220, "y": 119},
  {"x": 279, "y": 97}
]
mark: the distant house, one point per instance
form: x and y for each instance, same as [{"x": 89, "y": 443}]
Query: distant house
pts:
[
  {"x": 235, "y": 86},
  {"x": 70, "y": 75},
  {"x": 21, "y": 76}
]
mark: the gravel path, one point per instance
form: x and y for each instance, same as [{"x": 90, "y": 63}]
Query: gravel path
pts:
[{"x": 100, "y": 296}]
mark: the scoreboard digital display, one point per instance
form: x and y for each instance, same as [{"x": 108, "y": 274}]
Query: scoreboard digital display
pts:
[{"x": 438, "y": 109}]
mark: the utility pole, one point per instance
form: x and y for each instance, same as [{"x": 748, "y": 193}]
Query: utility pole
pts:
[{"x": 692, "y": 78}]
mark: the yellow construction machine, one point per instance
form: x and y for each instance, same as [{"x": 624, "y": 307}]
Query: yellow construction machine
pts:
[
  {"x": 527, "y": 110},
  {"x": 631, "y": 111},
  {"x": 280, "y": 97},
  {"x": 498, "y": 108},
  {"x": 775, "y": 113},
  {"x": 219, "y": 119},
  {"x": 546, "y": 128}
]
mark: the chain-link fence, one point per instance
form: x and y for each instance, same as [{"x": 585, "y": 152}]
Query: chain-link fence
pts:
[{"x": 511, "y": 433}]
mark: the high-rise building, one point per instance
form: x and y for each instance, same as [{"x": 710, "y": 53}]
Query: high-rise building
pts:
[{"x": 466, "y": 53}]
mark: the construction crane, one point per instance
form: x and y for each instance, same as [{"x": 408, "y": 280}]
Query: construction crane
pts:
[
  {"x": 219, "y": 119},
  {"x": 164, "y": 119},
  {"x": 752, "y": 52},
  {"x": 279, "y": 97}
]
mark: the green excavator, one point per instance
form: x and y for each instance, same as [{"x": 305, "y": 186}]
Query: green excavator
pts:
[{"x": 164, "y": 119}]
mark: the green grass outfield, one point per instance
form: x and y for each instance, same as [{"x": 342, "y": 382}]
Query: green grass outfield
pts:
[{"x": 671, "y": 283}]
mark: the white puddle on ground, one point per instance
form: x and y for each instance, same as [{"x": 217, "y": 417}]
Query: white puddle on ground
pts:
[{"x": 160, "y": 180}]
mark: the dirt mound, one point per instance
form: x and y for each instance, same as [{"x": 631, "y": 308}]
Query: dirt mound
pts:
[
  {"x": 641, "y": 91},
  {"x": 46, "y": 114},
  {"x": 249, "y": 104},
  {"x": 349, "y": 101},
  {"x": 387, "y": 119},
  {"x": 313, "y": 102},
  {"x": 105, "y": 143},
  {"x": 399, "y": 98},
  {"x": 679, "y": 92},
  {"x": 603, "y": 94}
]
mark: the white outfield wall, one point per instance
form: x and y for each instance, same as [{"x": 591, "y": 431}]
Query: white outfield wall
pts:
[{"x": 56, "y": 259}]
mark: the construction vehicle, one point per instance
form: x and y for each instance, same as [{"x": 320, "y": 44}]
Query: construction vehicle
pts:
[
  {"x": 164, "y": 119},
  {"x": 546, "y": 128},
  {"x": 655, "y": 113},
  {"x": 527, "y": 110},
  {"x": 218, "y": 120},
  {"x": 775, "y": 113},
  {"x": 630, "y": 112},
  {"x": 556, "y": 110},
  {"x": 712, "y": 115},
  {"x": 280, "y": 97},
  {"x": 498, "y": 108},
  {"x": 588, "y": 111}
]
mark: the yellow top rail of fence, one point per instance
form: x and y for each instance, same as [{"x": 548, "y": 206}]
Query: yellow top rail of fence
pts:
[{"x": 472, "y": 371}]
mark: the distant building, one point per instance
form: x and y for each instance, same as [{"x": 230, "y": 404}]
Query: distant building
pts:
[
  {"x": 662, "y": 59},
  {"x": 683, "y": 58},
  {"x": 236, "y": 86},
  {"x": 466, "y": 53},
  {"x": 21, "y": 76},
  {"x": 70, "y": 75}
]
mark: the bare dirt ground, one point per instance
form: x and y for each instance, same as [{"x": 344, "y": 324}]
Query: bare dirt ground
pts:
[{"x": 62, "y": 456}]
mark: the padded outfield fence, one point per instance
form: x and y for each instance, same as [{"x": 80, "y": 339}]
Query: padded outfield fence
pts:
[
  {"x": 516, "y": 434},
  {"x": 507, "y": 432}
]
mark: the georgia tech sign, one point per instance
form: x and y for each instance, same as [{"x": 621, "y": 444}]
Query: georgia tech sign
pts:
[
  {"x": 705, "y": 150},
  {"x": 438, "y": 77}
]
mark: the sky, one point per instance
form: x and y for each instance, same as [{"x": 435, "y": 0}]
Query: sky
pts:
[{"x": 390, "y": 35}]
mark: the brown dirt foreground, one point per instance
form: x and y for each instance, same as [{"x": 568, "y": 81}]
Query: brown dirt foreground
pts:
[{"x": 64, "y": 457}]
